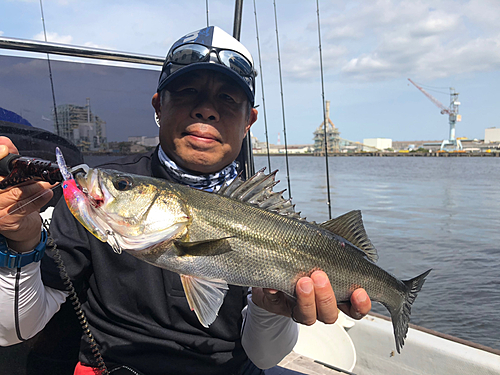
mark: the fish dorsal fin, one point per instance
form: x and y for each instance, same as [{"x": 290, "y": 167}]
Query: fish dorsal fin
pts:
[
  {"x": 205, "y": 297},
  {"x": 350, "y": 226},
  {"x": 258, "y": 191}
]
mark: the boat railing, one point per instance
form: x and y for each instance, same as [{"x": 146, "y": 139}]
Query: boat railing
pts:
[{"x": 78, "y": 51}]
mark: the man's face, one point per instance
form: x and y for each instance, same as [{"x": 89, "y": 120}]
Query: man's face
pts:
[{"x": 203, "y": 120}]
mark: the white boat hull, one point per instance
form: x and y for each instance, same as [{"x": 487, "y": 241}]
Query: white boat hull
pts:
[{"x": 368, "y": 349}]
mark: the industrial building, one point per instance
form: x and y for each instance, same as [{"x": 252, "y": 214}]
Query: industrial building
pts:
[
  {"x": 80, "y": 126},
  {"x": 332, "y": 135},
  {"x": 492, "y": 135},
  {"x": 144, "y": 140},
  {"x": 377, "y": 143}
]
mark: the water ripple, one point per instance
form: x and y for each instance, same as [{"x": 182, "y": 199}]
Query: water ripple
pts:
[{"x": 420, "y": 213}]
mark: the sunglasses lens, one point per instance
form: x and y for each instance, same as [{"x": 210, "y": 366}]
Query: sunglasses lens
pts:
[
  {"x": 189, "y": 54},
  {"x": 193, "y": 53},
  {"x": 236, "y": 62}
]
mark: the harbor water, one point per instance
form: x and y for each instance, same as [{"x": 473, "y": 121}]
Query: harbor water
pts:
[{"x": 420, "y": 213}]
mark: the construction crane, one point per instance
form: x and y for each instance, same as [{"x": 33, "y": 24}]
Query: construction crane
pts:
[{"x": 451, "y": 111}]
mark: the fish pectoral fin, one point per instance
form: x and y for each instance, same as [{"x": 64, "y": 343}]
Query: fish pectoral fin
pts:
[
  {"x": 203, "y": 248},
  {"x": 350, "y": 226},
  {"x": 205, "y": 297}
]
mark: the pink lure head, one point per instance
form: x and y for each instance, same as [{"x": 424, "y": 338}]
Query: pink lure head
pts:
[{"x": 78, "y": 202}]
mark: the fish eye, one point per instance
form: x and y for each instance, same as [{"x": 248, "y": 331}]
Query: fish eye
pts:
[{"x": 123, "y": 183}]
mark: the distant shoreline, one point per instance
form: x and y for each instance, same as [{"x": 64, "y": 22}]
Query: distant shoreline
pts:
[
  {"x": 397, "y": 154},
  {"x": 349, "y": 154}
]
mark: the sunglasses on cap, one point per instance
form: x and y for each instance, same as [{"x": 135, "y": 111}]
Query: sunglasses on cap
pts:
[{"x": 194, "y": 53}]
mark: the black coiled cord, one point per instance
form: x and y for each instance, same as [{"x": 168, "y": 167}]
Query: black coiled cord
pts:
[{"x": 77, "y": 305}]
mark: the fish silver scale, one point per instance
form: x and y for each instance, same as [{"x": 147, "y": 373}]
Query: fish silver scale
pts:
[{"x": 273, "y": 251}]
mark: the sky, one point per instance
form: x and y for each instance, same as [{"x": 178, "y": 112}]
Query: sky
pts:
[{"x": 369, "y": 47}]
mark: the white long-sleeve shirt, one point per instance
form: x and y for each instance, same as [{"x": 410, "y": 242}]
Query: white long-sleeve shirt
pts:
[{"x": 26, "y": 306}]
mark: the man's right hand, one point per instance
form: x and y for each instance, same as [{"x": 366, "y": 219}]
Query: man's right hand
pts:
[{"x": 20, "y": 220}]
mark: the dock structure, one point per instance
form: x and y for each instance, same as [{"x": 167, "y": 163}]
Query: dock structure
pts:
[
  {"x": 442, "y": 154},
  {"x": 332, "y": 135}
]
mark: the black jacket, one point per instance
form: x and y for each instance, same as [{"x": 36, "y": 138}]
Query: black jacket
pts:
[{"x": 138, "y": 313}]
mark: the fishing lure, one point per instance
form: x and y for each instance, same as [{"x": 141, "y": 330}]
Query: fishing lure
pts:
[{"x": 79, "y": 203}]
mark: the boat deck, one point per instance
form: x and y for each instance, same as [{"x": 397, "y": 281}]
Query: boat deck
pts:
[{"x": 296, "y": 364}]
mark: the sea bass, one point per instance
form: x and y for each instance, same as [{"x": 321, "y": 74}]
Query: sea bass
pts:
[{"x": 245, "y": 235}]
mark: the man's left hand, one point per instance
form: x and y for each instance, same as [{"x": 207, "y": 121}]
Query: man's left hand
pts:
[{"x": 315, "y": 301}]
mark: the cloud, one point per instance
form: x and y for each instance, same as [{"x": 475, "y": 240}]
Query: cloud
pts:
[
  {"x": 308, "y": 65},
  {"x": 54, "y": 38},
  {"x": 483, "y": 13},
  {"x": 94, "y": 45},
  {"x": 366, "y": 40},
  {"x": 435, "y": 24},
  {"x": 415, "y": 39},
  {"x": 343, "y": 32},
  {"x": 427, "y": 57},
  {"x": 1, "y": 32},
  {"x": 391, "y": 39},
  {"x": 370, "y": 40}
]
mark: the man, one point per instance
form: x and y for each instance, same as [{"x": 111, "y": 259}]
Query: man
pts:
[{"x": 138, "y": 313}]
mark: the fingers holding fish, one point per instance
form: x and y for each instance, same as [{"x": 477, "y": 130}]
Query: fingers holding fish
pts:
[
  {"x": 360, "y": 304},
  {"x": 315, "y": 300},
  {"x": 273, "y": 301},
  {"x": 305, "y": 311},
  {"x": 326, "y": 303}
]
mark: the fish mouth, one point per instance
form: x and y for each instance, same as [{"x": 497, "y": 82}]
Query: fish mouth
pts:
[{"x": 89, "y": 183}]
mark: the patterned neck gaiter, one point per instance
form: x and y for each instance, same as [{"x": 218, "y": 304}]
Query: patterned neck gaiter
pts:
[{"x": 208, "y": 182}]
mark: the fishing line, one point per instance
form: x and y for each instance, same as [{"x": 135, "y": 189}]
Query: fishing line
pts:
[
  {"x": 30, "y": 201},
  {"x": 262, "y": 85},
  {"x": 282, "y": 102},
  {"x": 324, "y": 118}
]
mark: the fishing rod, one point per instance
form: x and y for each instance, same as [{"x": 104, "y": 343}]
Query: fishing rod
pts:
[
  {"x": 18, "y": 169},
  {"x": 329, "y": 200},
  {"x": 50, "y": 74},
  {"x": 245, "y": 157},
  {"x": 262, "y": 85},
  {"x": 282, "y": 102}
]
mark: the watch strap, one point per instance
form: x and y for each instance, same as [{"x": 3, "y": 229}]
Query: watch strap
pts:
[{"x": 12, "y": 259}]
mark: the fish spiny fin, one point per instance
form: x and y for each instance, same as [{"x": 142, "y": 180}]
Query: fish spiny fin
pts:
[
  {"x": 350, "y": 226},
  {"x": 203, "y": 248},
  {"x": 205, "y": 297},
  {"x": 401, "y": 316},
  {"x": 258, "y": 191}
]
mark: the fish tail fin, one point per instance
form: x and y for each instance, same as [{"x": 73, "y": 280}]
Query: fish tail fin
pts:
[{"x": 401, "y": 316}]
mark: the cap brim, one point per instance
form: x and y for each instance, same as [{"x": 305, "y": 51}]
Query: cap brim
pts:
[{"x": 208, "y": 66}]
